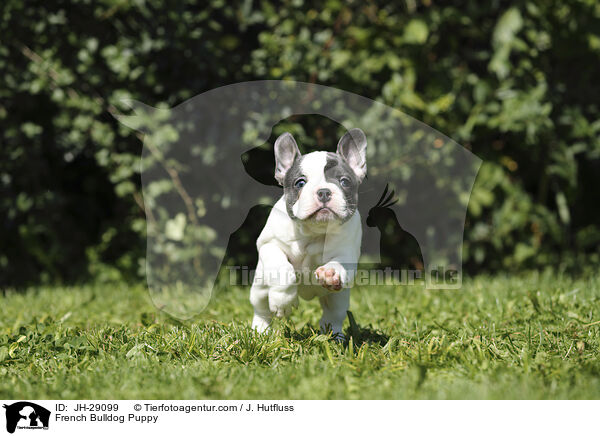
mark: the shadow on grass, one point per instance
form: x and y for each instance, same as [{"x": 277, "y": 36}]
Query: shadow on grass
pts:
[
  {"x": 305, "y": 333},
  {"x": 360, "y": 334},
  {"x": 364, "y": 335}
]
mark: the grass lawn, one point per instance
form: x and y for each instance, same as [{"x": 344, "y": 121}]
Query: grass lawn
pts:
[{"x": 536, "y": 336}]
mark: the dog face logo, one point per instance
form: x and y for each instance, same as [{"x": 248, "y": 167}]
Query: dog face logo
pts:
[{"x": 26, "y": 415}]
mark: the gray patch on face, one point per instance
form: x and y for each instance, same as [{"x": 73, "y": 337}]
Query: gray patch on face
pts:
[
  {"x": 337, "y": 168},
  {"x": 291, "y": 192}
]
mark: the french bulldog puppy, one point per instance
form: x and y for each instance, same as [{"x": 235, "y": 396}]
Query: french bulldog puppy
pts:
[{"x": 310, "y": 244}]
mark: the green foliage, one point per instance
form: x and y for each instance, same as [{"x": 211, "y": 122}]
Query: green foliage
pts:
[
  {"x": 534, "y": 337},
  {"x": 515, "y": 84}
]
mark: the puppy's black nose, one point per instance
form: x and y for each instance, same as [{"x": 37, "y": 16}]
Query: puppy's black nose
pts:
[{"x": 324, "y": 195}]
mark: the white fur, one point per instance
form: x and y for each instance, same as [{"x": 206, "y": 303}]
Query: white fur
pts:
[{"x": 286, "y": 246}]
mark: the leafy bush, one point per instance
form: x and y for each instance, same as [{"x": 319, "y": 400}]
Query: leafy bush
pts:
[{"x": 514, "y": 84}]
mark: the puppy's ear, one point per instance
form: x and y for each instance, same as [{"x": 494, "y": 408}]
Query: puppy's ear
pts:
[
  {"x": 286, "y": 151},
  {"x": 353, "y": 149}
]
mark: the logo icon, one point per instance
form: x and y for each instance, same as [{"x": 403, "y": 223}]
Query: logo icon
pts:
[{"x": 26, "y": 415}]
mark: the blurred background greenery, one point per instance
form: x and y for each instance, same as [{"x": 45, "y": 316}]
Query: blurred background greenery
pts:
[{"x": 514, "y": 82}]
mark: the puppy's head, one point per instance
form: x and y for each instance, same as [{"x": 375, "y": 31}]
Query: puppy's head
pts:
[{"x": 321, "y": 186}]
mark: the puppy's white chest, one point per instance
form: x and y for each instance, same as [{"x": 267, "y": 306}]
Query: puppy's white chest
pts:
[{"x": 307, "y": 253}]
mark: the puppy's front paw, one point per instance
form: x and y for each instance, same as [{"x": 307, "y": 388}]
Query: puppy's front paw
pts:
[
  {"x": 281, "y": 304},
  {"x": 329, "y": 277}
]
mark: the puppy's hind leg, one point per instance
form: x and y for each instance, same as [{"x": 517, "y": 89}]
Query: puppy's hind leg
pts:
[
  {"x": 335, "y": 306},
  {"x": 259, "y": 298}
]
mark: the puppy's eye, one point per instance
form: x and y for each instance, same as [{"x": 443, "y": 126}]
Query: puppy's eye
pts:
[
  {"x": 345, "y": 182},
  {"x": 299, "y": 183}
]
